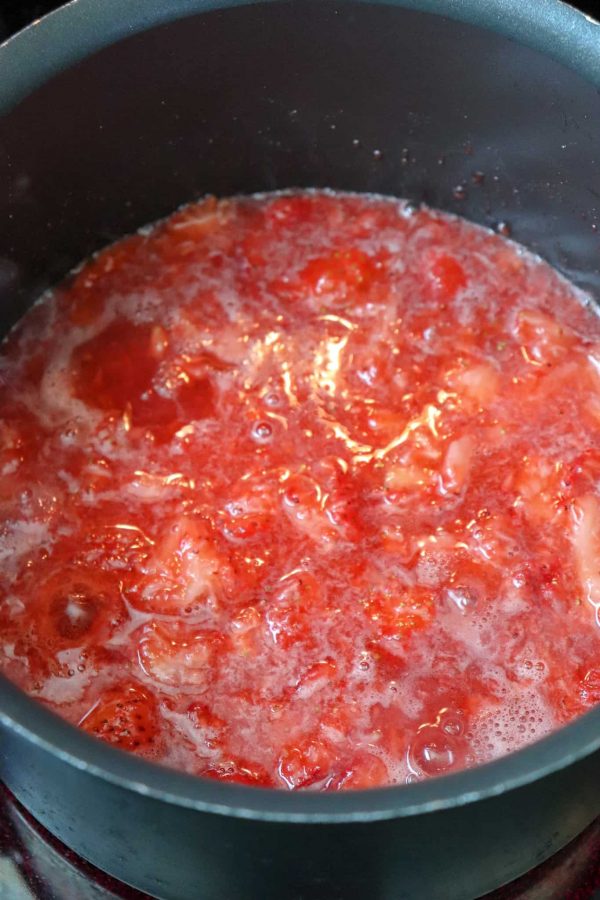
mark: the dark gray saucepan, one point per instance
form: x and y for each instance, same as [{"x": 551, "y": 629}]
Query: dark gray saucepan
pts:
[{"x": 115, "y": 112}]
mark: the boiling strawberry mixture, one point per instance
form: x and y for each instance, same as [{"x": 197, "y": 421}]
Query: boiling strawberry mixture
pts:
[{"x": 303, "y": 490}]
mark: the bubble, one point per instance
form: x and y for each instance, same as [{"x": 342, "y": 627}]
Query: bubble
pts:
[
  {"x": 459, "y": 192},
  {"x": 262, "y": 431},
  {"x": 458, "y": 598},
  {"x": 435, "y": 757},
  {"x": 377, "y": 154},
  {"x": 273, "y": 399},
  {"x": 433, "y": 751},
  {"x": 453, "y": 726},
  {"x": 530, "y": 670},
  {"x": 75, "y": 611}
]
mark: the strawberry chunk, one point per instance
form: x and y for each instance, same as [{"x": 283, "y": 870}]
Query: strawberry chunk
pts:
[
  {"x": 345, "y": 275},
  {"x": 290, "y": 614},
  {"x": 78, "y": 607},
  {"x": 447, "y": 276},
  {"x": 457, "y": 463},
  {"x": 239, "y": 771},
  {"x": 125, "y": 716},
  {"x": 116, "y": 367},
  {"x": 306, "y": 762},
  {"x": 184, "y": 571},
  {"x": 117, "y": 371},
  {"x": 583, "y": 474},
  {"x": 397, "y": 610},
  {"x": 590, "y": 687},
  {"x": 543, "y": 340},
  {"x": 179, "y": 656},
  {"x": 364, "y": 771}
]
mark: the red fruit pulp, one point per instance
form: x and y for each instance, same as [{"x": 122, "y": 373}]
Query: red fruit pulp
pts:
[{"x": 303, "y": 491}]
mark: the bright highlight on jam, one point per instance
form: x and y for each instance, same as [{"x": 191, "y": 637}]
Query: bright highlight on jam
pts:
[{"x": 303, "y": 491}]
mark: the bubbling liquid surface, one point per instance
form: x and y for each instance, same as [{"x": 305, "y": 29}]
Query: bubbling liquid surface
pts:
[{"x": 303, "y": 490}]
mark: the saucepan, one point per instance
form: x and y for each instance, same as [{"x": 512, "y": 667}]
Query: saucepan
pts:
[{"x": 114, "y": 113}]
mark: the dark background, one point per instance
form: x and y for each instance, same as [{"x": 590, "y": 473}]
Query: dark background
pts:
[{"x": 14, "y": 14}]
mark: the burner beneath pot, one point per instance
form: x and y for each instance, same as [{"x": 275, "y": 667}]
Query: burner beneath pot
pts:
[{"x": 35, "y": 866}]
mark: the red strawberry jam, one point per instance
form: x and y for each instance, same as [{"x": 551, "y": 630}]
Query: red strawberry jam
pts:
[{"x": 303, "y": 490}]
